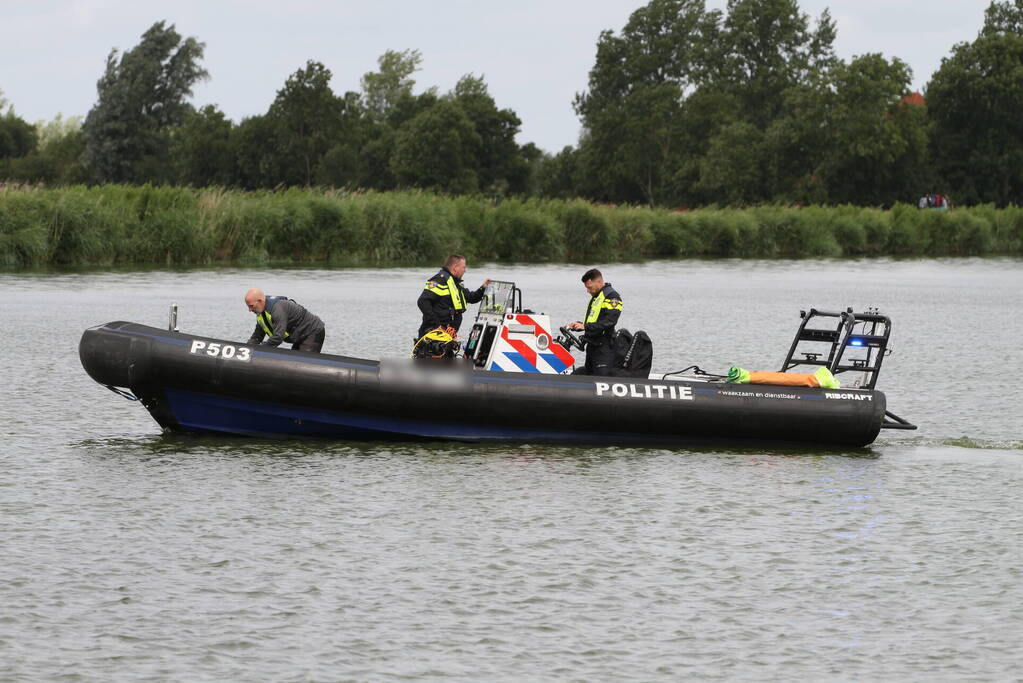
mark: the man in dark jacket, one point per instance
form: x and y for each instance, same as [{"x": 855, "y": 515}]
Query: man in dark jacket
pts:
[
  {"x": 602, "y": 315},
  {"x": 283, "y": 320},
  {"x": 444, "y": 298}
]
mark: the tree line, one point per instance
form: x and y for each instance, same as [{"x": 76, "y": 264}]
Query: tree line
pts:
[{"x": 684, "y": 107}]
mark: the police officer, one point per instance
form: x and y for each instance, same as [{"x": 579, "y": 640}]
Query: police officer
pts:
[
  {"x": 444, "y": 298},
  {"x": 283, "y": 320},
  {"x": 602, "y": 315}
]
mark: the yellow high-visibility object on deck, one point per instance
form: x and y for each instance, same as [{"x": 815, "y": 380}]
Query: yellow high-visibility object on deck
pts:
[{"x": 822, "y": 378}]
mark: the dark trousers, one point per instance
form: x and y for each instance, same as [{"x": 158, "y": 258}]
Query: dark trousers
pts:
[
  {"x": 600, "y": 358},
  {"x": 312, "y": 343}
]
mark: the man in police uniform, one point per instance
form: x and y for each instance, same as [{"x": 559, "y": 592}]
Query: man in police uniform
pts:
[
  {"x": 283, "y": 320},
  {"x": 444, "y": 298},
  {"x": 602, "y": 315}
]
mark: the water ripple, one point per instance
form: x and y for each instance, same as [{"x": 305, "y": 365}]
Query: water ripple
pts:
[{"x": 129, "y": 555}]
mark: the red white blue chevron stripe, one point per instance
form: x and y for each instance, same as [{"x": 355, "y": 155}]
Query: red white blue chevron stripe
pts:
[{"x": 525, "y": 358}]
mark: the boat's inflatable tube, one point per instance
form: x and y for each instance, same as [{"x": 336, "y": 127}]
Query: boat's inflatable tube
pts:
[{"x": 199, "y": 384}]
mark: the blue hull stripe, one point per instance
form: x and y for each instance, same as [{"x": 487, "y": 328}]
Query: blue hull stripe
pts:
[{"x": 211, "y": 413}]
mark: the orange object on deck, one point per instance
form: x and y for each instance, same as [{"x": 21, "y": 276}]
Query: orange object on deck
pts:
[{"x": 792, "y": 379}]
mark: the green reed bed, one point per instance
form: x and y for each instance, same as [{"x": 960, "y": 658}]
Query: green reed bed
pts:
[{"x": 117, "y": 224}]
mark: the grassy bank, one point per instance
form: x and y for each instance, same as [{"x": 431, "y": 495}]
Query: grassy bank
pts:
[{"x": 116, "y": 224}]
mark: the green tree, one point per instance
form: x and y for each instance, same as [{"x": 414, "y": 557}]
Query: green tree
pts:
[
  {"x": 438, "y": 150},
  {"x": 766, "y": 48},
  {"x": 407, "y": 107},
  {"x": 382, "y": 89},
  {"x": 342, "y": 166},
  {"x": 557, "y": 175},
  {"x": 974, "y": 100},
  {"x": 502, "y": 167},
  {"x": 57, "y": 129},
  {"x": 56, "y": 158},
  {"x": 388, "y": 105},
  {"x": 796, "y": 142},
  {"x": 533, "y": 157},
  {"x": 1003, "y": 17},
  {"x": 18, "y": 137},
  {"x": 375, "y": 170},
  {"x": 877, "y": 144},
  {"x": 637, "y": 129},
  {"x": 732, "y": 170},
  {"x": 257, "y": 163},
  {"x": 202, "y": 150},
  {"x": 308, "y": 116},
  {"x": 848, "y": 135},
  {"x": 141, "y": 96}
]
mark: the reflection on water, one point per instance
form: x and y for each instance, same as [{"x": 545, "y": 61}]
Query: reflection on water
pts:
[{"x": 129, "y": 554}]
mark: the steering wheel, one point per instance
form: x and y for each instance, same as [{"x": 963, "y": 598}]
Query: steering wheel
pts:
[{"x": 570, "y": 339}]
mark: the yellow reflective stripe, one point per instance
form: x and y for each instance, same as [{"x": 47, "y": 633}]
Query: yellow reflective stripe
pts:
[
  {"x": 440, "y": 290},
  {"x": 457, "y": 298},
  {"x": 593, "y": 312},
  {"x": 612, "y": 304},
  {"x": 268, "y": 324},
  {"x": 450, "y": 289}
]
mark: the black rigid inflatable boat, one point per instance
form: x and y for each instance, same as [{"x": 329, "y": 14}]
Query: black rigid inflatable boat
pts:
[{"x": 192, "y": 383}]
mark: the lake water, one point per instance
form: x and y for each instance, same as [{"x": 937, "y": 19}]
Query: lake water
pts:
[{"x": 127, "y": 555}]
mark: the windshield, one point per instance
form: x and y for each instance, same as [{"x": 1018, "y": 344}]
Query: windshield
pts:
[{"x": 497, "y": 298}]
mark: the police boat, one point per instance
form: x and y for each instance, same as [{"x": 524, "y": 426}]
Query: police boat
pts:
[{"x": 513, "y": 382}]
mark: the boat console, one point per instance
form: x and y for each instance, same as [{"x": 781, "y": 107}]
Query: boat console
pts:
[{"x": 505, "y": 337}]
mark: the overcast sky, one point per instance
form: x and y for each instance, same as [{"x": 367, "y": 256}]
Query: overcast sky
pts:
[{"x": 534, "y": 54}]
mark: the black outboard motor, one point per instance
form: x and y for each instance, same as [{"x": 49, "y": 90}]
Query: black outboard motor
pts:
[{"x": 634, "y": 354}]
